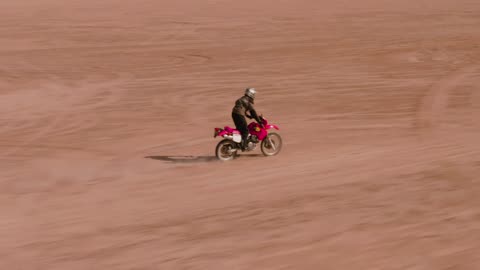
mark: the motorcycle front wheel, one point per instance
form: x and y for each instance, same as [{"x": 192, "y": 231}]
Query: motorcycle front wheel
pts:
[
  {"x": 226, "y": 150},
  {"x": 272, "y": 144}
]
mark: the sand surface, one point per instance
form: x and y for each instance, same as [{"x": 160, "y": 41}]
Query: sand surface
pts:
[{"x": 107, "y": 110}]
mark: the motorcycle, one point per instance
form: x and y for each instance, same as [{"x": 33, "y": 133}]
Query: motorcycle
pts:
[{"x": 228, "y": 148}]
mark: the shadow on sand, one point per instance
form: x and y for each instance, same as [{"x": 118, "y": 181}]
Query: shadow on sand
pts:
[
  {"x": 193, "y": 159},
  {"x": 185, "y": 159}
]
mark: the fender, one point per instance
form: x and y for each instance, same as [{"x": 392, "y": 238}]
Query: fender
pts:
[
  {"x": 273, "y": 126},
  {"x": 222, "y": 133}
]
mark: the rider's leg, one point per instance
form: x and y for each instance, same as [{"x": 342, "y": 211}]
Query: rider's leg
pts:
[{"x": 241, "y": 125}]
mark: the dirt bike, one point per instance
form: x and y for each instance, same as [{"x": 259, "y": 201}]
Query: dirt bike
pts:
[{"x": 228, "y": 148}]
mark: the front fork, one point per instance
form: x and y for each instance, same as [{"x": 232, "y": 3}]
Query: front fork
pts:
[{"x": 270, "y": 143}]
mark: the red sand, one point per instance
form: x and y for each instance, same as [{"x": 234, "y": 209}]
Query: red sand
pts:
[{"x": 378, "y": 104}]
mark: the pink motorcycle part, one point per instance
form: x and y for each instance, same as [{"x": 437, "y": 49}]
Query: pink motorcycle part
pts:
[{"x": 273, "y": 126}]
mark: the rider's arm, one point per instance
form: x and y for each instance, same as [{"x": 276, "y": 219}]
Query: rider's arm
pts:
[{"x": 254, "y": 114}]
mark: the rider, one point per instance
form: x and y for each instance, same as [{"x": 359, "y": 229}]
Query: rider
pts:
[{"x": 239, "y": 112}]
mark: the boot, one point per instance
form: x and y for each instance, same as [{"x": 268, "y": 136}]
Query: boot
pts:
[{"x": 244, "y": 144}]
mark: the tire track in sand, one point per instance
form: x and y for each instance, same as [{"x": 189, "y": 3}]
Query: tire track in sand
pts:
[
  {"x": 434, "y": 104},
  {"x": 64, "y": 116}
]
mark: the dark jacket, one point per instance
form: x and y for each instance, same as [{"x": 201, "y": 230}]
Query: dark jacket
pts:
[{"x": 244, "y": 105}]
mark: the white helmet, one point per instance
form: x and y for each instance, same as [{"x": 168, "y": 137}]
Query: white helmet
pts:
[{"x": 250, "y": 92}]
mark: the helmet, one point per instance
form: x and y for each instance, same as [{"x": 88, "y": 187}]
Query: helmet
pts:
[{"x": 250, "y": 92}]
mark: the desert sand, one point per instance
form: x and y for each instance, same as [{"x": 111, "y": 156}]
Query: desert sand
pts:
[{"x": 108, "y": 108}]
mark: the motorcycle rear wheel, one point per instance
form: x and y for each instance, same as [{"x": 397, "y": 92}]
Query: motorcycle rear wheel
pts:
[{"x": 224, "y": 150}]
